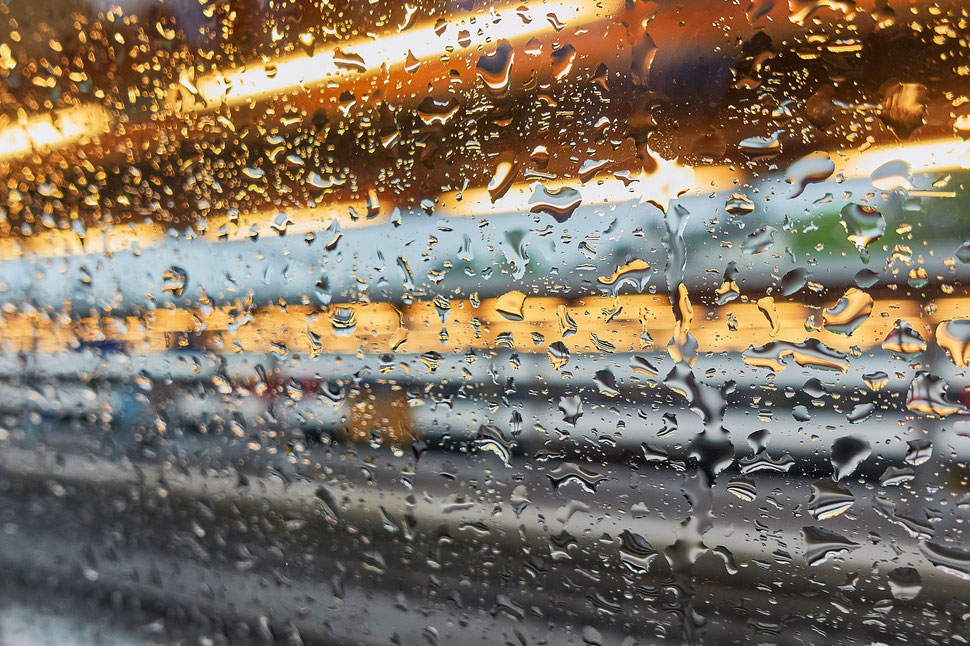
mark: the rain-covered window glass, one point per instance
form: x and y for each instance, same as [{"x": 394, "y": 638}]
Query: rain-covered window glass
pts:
[{"x": 600, "y": 322}]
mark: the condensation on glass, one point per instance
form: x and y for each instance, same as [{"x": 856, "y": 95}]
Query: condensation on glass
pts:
[{"x": 450, "y": 321}]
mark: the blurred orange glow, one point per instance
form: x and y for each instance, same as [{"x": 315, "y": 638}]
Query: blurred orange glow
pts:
[{"x": 420, "y": 43}]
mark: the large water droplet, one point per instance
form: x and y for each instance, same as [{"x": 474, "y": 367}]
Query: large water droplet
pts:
[
  {"x": 558, "y": 354},
  {"x": 927, "y": 394},
  {"x": 759, "y": 241},
  {"x": 571, "y": 407},
  {"x": 905, "y": 583},
  {"x": 743, "y": 487},
  {"x": 954, "y": 337},
  {"x": 511, "y": 305},
  {"x": 570, "y": 472},
  {"x": 822, "y": 544},
  {"x": 863, "y": 224},
  {"x": 904, "y": 107},
  {"x": 739, "y": 205},
  {"x": 903, "y": 340},
  {"x": 811, "y": 169},
  {"x": 793, "y": 281},
  {"x": 829, "y": 499},
  {"x": 344, "y": 321},
  {"x": 562, "y": 60},
  {"x": 174, "y": 280},
  {"x": 892, "y": 175},
  {"x": 810, "y": 352},
  {"x": 636, "y": 273},
  {"x": 491, "y": 439},
  {"x": 847, "y": 454},
  {"x": 559, "y": 203},
  {"x": 635, "y": 552},
  {"x": 501, "y": 180},
  {"x": 949, "y": 559},
  {"x": 849, "y": 312},
  {"x": 432, "y": 111},
  {"x": 495, "y": 69},
  {"x": 758, "y": 147}
]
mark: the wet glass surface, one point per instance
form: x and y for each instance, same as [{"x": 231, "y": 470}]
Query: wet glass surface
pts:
[{"x": 612, "y": 322}]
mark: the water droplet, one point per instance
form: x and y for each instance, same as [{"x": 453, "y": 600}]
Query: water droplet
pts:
[
  {"x": 571, "y": 407},
  {"x": 847, "y": 454},
  {"x": 866, "y": 278},
  {"x": 642, "y": 56},
  {"x": 491, "y": 439},
  {"x": 892, "y": 175},
  {"x": 811, "y": 169},
  {"x": 822, "y": 544},
  {"x": 949, "y": 559},
  {"x": 431, "y": 359},
  {"x": 344, "y": 321},
  {"x": 570, "y": 472},
  {"x": 876, "y": 380},
  {"x": 558, "y": 355},
  {"x": 927, "y": 394},
  {"x": 495, "y": 69},
  {"x": 511, "y": 305},
  {"x": 760, "y": 147},
  {"x": 903, "y": 340},
  {"x": 810, "y": 352},
  {"x": 767, "y": 307},
  {"x": 519, "y": 499},
  {"x": 540, "y": 156},
  {"x": 954, "y": 337},
  {"x": 757, "y": 10},
  {"x": 904, "y": 107},
  {"x": 636, "y": 273},
  {"x": 411, "y": 63},
  {"x": 174, "y": 280},
  {"x": 863, "y": 224},
  {"x": 917, "y": 277},
  {"x": 963, "y": 252},
  {"x": 793, "y": 281},
  {"x": 640, "y": 365},
  {"x": 562, "y": 60},
  {"x": 860, "y": 412},
  {"x": 918, "y": 451},
  {"x": 759, "y": 241},
  {"x": 432, "y": 111},
  {"x": 559, "y": 203},
  {"x": 705, "y": 400},
  {"x": 635, "y": 552},
  {"x": 894, "y": 476},
  {"x": 743, "y": 487},
  {"x": 829, "y": 499},
  {"x": 502, "y": 179},
  {"x": 814, "y": 388},
  {"x": 728, "y": 291},
  {"x": 905, "y": 583},
  {"x": 606, "y": 382},
  {"x": 849, "y": 312},
  {"x": 567, "y": 325}
]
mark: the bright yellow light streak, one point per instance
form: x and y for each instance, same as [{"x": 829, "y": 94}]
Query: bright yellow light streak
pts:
[
  {"x": 256, "y": 81},
  {"x": 51, "y": 130},
  {"x": 922, "y": 157},
  {"x": 660, "y": 188}
]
